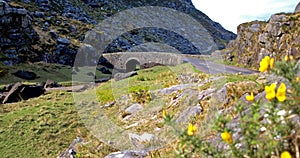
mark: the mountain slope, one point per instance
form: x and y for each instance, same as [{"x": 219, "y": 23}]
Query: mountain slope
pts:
[{"x": 60, "y": 26}]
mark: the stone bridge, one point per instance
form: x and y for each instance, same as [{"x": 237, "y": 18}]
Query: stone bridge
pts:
[{"x": 128, "y": 60}]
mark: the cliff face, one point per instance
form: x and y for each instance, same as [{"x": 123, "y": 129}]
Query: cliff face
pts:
[
  {"x": 277, "y": 37},
  {"x": 53, "y": 30}
]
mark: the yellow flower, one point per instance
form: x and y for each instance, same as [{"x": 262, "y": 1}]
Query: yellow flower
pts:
[
  {"x": 270, "y": 91},
  {"x": 264, "y": 64},
  {"x": 164, "y": 113},
  {"x": 250, "y": 97},
  {"x": 286, "y": 58},
  {"x": 226, "y": 137},
  {"x": 298, "y": 79},
  {"x": 191, "y": 129},
  {"x": 272, "y": 60},
  {"x": 281, "y": 93},
  {"x": 285, "y": 154}
]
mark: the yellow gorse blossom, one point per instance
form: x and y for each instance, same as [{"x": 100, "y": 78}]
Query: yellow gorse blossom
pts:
[
  {"x": 281, "y": 93},
  {"x": 164, "y": 113},
  {"x": 272, "y": 61},
  {"x": 288, "y": 57},
  {"x": 191, "y": 129},
  {"x": 226, "y": 137},
  {"x": 266, "y": 64},
  {"x": 298, "y": 79},
  {"x": 250, "y": 97},
  {"x": 285, "y": 154},
  {"x": 270, "y": 91}
]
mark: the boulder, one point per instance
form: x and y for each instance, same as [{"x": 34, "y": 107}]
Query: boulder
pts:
[
  {"x": 27, "y": 75},
  {"x": 121, "y": 76},
  {"x": 189, "y": 113},
  {"x": 22, "y": 92},
  {"x": 12, "y": 95},
  {"x": 133, "y": 109},
  {"x": 28, "y": 91}
]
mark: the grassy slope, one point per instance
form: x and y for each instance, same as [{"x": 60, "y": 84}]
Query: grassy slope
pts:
[
  {"x": 44, "y": 71},
  {"x": 45, "y": 126}
]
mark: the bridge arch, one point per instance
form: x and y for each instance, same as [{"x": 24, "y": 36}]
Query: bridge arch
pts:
[{"x": 131, "y": 64}]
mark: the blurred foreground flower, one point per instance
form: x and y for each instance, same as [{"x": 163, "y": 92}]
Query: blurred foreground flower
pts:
[
  {"x": 266, "y": 64},
  {"x": 298, "y": 79},
  {"x": 191, "y": 129},
  {"x": 250, "y": 97},
  {"x": 164, "y": 113},
  {"x": 288, "y": 58},
  {"x": 281, "y": 93},
  {"x": 270, "y": 91},
  {"x": 285, "y": 154},
  {"x": 226, "y": 137}
]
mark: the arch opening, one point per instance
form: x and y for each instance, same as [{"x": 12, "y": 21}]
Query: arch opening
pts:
[{"x": 132, "y": 65}]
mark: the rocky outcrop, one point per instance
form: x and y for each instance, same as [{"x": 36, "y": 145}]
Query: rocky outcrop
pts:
[
  {"x": 17, "y": 34},
  {"x": 20, "y": 92},
  {"x": 297, "y": 9},
  {"x": 277, "y": 37}
]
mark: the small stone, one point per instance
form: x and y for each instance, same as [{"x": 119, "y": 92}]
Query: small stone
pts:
[
  {"x": 63, "y": 41},
  {"x": 133, "y": 109},
  {"x": 39, "y": 14},
  {"x": 53, "y": 34}
]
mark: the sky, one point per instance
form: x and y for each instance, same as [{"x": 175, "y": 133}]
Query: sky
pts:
[{"x": 231, "y": 13}]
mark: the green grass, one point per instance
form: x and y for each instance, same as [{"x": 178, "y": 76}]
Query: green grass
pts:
[
  {"x": 38, "y": 127},
  {"x": 43, "y": 127},
  {"x": 148, "y": 79},
  {"x": 56, "y": 72},
  {"x": 46, "y": 126}
]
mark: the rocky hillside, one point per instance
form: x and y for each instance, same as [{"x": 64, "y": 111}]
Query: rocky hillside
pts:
[
  {"x": 277, "y": 37},
  {"x": 53, "y": 30}
]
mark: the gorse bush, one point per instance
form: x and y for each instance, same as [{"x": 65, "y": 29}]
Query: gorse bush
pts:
[
  {"x": 265, "y": 127},
  {"x": 141, "y": 96}
]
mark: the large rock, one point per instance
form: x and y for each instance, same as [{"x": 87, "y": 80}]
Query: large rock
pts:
[
  {"x": 190, "y": 113},
  {"x": 121, "y": 76},
  {"x": 22, "y": 92},
  {"x": 27, "y": 75}
]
